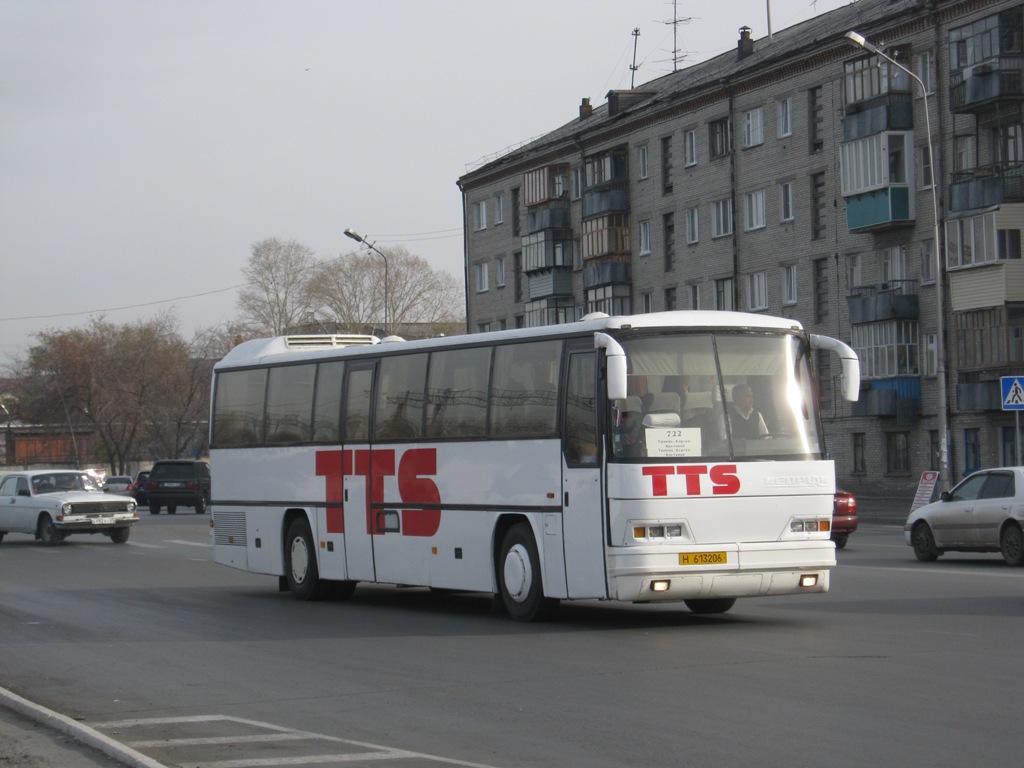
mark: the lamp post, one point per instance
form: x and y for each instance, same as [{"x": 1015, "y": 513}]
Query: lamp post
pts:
[
  {"x": 940, "y": 317},
  {"x": 360, "y": 239}
]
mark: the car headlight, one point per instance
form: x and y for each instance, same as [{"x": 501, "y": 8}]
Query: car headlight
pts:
[
  {"x": 67, "y": 508},
  {"x": 131, "y": 506}
]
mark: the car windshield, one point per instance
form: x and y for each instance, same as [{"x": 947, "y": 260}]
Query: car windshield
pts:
[
  {"x": 694, "y": 396},
  {"x": 61, "y": 482}
]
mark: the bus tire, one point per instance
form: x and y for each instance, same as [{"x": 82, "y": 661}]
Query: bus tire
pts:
[
  {"x": 519, "y": 577},
  {"x": 711, "y": 604},
  {"x": 300, "y": 562}
]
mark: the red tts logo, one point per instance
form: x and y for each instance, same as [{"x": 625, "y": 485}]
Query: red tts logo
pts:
[
  {"x": 375, "y": 465},
  {"x": 724, "y": 480}
]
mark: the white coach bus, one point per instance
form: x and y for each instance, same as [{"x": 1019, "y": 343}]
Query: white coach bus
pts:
[{"x": 602, "y": 459}]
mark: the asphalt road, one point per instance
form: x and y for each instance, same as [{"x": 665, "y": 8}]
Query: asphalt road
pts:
[{"x": 192, "y": 664}]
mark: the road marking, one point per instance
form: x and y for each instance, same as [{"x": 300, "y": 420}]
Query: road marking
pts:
[
  {"x": 372, "y": 752},
  {"x": 188, "y": 543}
]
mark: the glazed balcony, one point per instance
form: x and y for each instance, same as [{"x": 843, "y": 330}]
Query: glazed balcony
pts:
[{"x": 996, "y": 82}]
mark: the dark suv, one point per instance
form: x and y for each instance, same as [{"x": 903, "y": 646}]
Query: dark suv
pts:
[{"x": 178, "y": 483}]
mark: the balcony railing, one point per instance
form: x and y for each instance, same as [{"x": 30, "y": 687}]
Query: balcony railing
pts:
[
  {"x": 980, "y": 86},
  {"x": 986, "y": 185},
  {"x": 894, "y": 300}
]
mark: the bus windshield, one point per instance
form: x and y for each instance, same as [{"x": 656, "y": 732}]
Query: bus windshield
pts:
[{"x": 707, "y": 395}]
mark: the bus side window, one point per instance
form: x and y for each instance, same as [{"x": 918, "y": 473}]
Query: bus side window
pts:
[
  {"x": 358, "y": 392},
  {"x": 580, "y": 411}
]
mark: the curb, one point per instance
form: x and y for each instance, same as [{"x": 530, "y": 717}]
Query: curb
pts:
[{"x": 78, "y": 731}]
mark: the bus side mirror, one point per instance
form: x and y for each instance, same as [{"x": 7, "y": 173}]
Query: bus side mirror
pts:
[
  {"x": 615, "y": 365},
  {"x": 616, "y": 378},
  {"x": 849, "y": 361}
]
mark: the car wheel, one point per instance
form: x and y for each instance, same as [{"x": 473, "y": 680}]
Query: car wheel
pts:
[
  {"x": 924, "y": 543},
  {"x": 840, "y": 539},
  {"x": 154, "y": 509},
  {"x": 48, "y": 532},
  {"x": 201, "y": 504},
  {"x": 519, "y": 577},
  {"x": 120, "y": 535},
  {"x": 1011, "y": 544},
  {"x": 171, "y": 509},
  {"x": 711, "y": 605},
  {"x": 300, "y": 562}
]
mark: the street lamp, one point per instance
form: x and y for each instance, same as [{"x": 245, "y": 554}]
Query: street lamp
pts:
[
  {"x": 940, "y": 363},
  {"x": 360, "y": 239}
]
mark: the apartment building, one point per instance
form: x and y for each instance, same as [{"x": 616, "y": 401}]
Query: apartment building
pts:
[{"x": 807, "y": 176}]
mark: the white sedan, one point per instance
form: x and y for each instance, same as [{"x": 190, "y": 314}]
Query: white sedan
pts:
[
  {"x": 983, "y": 513},
  {"x": 51, "y": 504}
]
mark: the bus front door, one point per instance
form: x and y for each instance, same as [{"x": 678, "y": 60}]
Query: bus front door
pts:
[
  {"x": 582, "y": 520},
  {"x": 358, "y": 484}
]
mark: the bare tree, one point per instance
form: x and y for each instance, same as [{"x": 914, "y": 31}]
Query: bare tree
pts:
[
  {"x": 119, "y": 381},
  {"x": 277, "y": 294},
  {"x": 350, "y": 291}
]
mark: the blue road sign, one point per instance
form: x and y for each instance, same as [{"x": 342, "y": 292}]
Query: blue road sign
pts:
[{"x": 1013, "y": 392}]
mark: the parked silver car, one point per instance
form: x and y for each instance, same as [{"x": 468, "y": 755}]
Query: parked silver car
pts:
[
  {"x": 51, "y": 504},
  {"x": 982, "y": 513}
]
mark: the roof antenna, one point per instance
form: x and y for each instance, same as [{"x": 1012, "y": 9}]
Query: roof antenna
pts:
[{"x": 633, "y": 67}]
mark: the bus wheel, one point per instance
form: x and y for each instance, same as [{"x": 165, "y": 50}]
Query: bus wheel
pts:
[
  {"x": 522, "y": 590},
  {"x": 300, "y": 562},
  {"x": 711, "y": 605}
]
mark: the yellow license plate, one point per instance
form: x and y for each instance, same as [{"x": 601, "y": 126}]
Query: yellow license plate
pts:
[{"x": 703, "y": 558}]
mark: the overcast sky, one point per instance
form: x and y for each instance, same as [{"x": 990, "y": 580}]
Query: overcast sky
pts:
[{"x": 145, "y": 145}]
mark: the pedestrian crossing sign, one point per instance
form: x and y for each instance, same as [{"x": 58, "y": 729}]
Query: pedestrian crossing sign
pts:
[{"x": 1013, "y": 392}]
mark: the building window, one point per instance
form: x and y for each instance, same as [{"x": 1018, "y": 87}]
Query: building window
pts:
[
  {"x": 480, "y": 215},
  {"x": 516, "y": 231},
  {"x": 926, "y": 70},
  {"x": 690, "y": 146},
  {"x": 577, "y": 183},
  {"x": 860, "y": 452},
  {"x": 786, "y": 211},
  {"x": 887, "y": 348},
  {"x": 720, "y": 138},
  {"x": 725, "y": 294},
  {"x": 816, "y": 117},
  {"x": 721, "y": 218},
  {"x": 670, "y": 299},
  {"x": 666, "y": 165},
  {"x": 854, "y": 272},
  {"x": 610, "y": 299},
  {"x": 517, "y": 276},
  {"x": 753, "y": 127},
  {"x": 499, "y": 272},
  {"x": 897, "y": 452},
  {"x": 753, "y": 210},
  {"x": 641, "y": 161},
  {"x": 481, "y": 277},
  {"x": 645, "y": 238},
  {"x": 785, "y": 117},
  {"x": 605, "y": 235},
  {"x": 694, "y": 297},
  {"x": 928, "y": 261},
  {"x": 934, "y": 450},
  {"x": 821, "y": 292},
  {"x": 648, "y": 302},
  {"x": 892, "y": 268},
  {"x": 972, "y": 450},
  {"x": 483, "y": 327},
  {"x": 669, "y": 234},
  {"x": 931, "y": 354},
  {"x": 789, "y": 285},
  {"x": 757, "y": 290},
  {"x": 927, "y": 179},
  {"x": 874, "y": 162},
  {"x": 818, "y": 209},
  {"x": 692, "y": 231},
  {"x": 499, "y": 209},
  {"x": 965, "y": 153},
  {"x": 975, "y": 240},
  {"x": 985, "y": 39}
]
